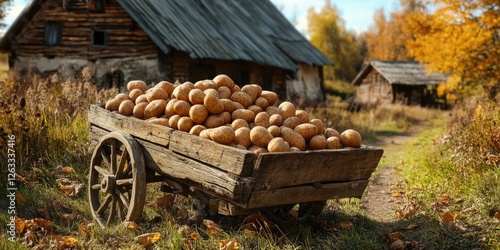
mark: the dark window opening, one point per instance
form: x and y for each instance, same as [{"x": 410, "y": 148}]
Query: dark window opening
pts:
[
  {"x": 99, "y": 5},
  {"x": 98, "y": 38},
  {"x": 53, "y": 33},
  {"x": 200, "y": 71},
  {"x": 244, "y": 77},
  {"x": 114, "y": 79}
]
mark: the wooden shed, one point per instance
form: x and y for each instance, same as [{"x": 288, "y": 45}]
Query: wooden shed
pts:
[
  {"x": 396, "y": 81},
  {"x": 151, "y": 40}
]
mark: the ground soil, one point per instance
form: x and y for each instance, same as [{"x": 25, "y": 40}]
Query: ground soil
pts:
[{"x": 380, "y": 198}]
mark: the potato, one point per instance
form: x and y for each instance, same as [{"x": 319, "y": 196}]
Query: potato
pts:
[
  {"x": 211, "y": 92},
  {"x": 228, "y": 105},
  {"x": 155, "y": 108},
  {"x": 260, "y": 136},
  {"x": 291, "y": 122},
  {"x": 262, "y": 103},
  {"x": 173, "y": 121},
  {"x": 167, "y": 86},
  {"x": 319, "y": 124},
  {"x": 182, "y": 108},
  {"x": 223, "y": 80},
  {"x": 196, "y": 129},
  {"x": 139, "y": 108},
  {"x": 302, "y": 115},
  {"x": 237, "y": 105},
  {"x": 277, "y": 145},
  {"x": 226, "y": 116},
  {"x": 224, "y": 92},
  {"x": 169, "y": 109},
  {"x": 293, "y": 138},
  {"x": 160, "y": 121},
  {"x": 244, "y": 114},
  {"x": 126, "y": 108},
  {"x": 112, "y": 104},
  {"x": 181, "y": 92},
  {"x": 239, "y": 123},
  {"x": 214, "y": 121},
  {"x": 262, "y": 119},
  {"x": 122, "y": 97},
  {"x": 317, "y": 142},
  {"x": 242, "y": 137},
  {"x": 236, "y": 88},
  {"x": 270, "y": 96},
  {"x": 333, "y": 143},
  {"x": 223, "y": 135},
  {"x": 274, "y": 130},
  {"x": 306, "y": 130},
  {"x": 350, "y": 138},
  {"x": 196, "y": 96},
  {"x": 276, "y": 119},
  {"x": 294, "y": 149},
  {"x": 205, "y": 134},
  {"x": 254, "y": 108},
  {"x": 200, "y": 85},
  {"x": 213, "y": 105},
  {"x": 271, "y": 110},
  {"x": 258, "y": 88},
  {"x": 251, "y": 91},
  {"x": 198, "y": 113},
  {"x": 137, "y": 84},
  {"x": 258, "y": 150},
  {"x": 287, "y": 109},
  {"x": 141, "y": 98},
  {"x": 242, "y": 98},
  {"x": 134, "y": 94},
  {"x": 329, "y": 132},
  {"x": 156, "y": 94},
  {"x": 185, "y": 124}
]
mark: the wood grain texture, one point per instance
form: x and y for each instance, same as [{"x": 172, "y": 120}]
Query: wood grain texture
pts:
[
  {"x": 138, "y": 128},
  {"x": 230, "y": 159},
  {"x": 277, "y": 170}
]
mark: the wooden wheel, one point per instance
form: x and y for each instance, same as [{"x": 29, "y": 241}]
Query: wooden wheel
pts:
[{"x": 117, "y": 180}]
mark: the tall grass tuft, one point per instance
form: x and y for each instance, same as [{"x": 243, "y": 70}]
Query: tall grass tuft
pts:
[{"x": 48, "y": 118}]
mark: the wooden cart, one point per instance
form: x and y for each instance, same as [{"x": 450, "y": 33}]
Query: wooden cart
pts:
[{"x": 129, "y": 153}]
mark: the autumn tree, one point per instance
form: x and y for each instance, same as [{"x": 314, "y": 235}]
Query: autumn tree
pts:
[
  {"x": 459, "y": 38},
  {"x": 386, "y": 40},
  {"x": 328, "y": 33}
]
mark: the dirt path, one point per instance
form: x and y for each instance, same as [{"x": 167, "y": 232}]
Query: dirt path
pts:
[{"x": 378, "y": 199}]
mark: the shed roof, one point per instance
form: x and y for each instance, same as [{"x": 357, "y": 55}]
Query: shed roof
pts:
[
  {"x": 248, "y": 30},
  {"x": 401, "y": 72}
]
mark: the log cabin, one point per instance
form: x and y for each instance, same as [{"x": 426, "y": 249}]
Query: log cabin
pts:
[
  {"x": 151, "y": 40},
  {"x": 381, "y": 82}
]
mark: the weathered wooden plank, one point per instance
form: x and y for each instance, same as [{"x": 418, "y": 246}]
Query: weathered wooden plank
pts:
[
  {"x": 230, "y": 159},
  {"x": 277, "y": 170},
  {"x": 138, "y": 128},
  {"x": 192, "y": 172},
  {"x": 306, "y": 193}
]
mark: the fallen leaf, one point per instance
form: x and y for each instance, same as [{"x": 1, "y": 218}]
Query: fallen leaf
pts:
[
  {"x": 412, "y": 226},
  {"x": 444, "y": 197},
  {"x": 85, "y": 227},
  {"x": 261, "y": 221},
  {"x": 166, "y": 200},
  {"x": 20, "y": 225},
  {"x": 185, "y": 231},
  {"x": 182, "y": 213},
  {"x": 147, "y": 239},
  {"x": 228, "y": 245},
  {"x": 66, "y": 242},
  {"x": 21, "y": 199},
  {"x": 497, "y": 215},
  {"x": 131, "y": 225},
  {"x": 71, "y": 190},
  {"x": 66, "y": 169},
  {"x": 345, "y": 224},
  {"x": 396, "y": 194},
  {"x": 248, "y": 227},
  {"x": 407, "y": 211},
  {"x": 20, "y": 178},
  {"x": 212, "y": 227},
  {"x": 395, "y": 236},
  {"x": 449, "y": 216},
  {"x": 398, "y": 245},
  {"x": 43, "y": 223},
  {"x": 29, "y": 238}
]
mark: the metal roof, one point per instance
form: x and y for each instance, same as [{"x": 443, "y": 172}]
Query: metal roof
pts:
[
  {"x": 401, "y": 72},
  {"x": 248, "y": 30}
]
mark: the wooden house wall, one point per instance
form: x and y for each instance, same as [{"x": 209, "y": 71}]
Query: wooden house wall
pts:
[{"x": 374, "y": 89}]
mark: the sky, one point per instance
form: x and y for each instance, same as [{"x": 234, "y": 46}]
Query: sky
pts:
[{"x": 357, "y": 14}]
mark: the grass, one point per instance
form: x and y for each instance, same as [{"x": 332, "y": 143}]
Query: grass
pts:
[{"x": 51, "y": 128}]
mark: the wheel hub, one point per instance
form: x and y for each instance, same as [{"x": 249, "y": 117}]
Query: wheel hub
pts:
[{"x": 108, "y": 184}]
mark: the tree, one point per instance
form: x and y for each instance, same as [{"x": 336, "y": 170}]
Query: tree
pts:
[
  {"x": 3, "y": 7},
  {"x": 327, "y": 32},
  {"x": 460, "y": 38}
]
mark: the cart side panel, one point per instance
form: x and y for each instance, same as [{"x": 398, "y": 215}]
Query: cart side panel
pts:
[
  {"x": 230, "y": 159},
  {"x": 138, "y": 128},
  {"x": 278, "y": 170}
]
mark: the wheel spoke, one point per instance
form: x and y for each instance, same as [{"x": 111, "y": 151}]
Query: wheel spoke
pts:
[
  {"x": 123, "y": 161},
  {"x": 104, "y": 204},
  {"x": 96, "y": 187},
  {"x": 124, "y": 182},
  {"x": 112, "y": 211},
  {"x": 102, "y": 171},
  {"x": 124, "y": 200},
  {"x": 113, "y": 156},
  {"x": 121, "y": 214}
]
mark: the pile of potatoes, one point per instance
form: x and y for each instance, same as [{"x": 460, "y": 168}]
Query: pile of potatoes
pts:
[{"x": 219, "y": 110}]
